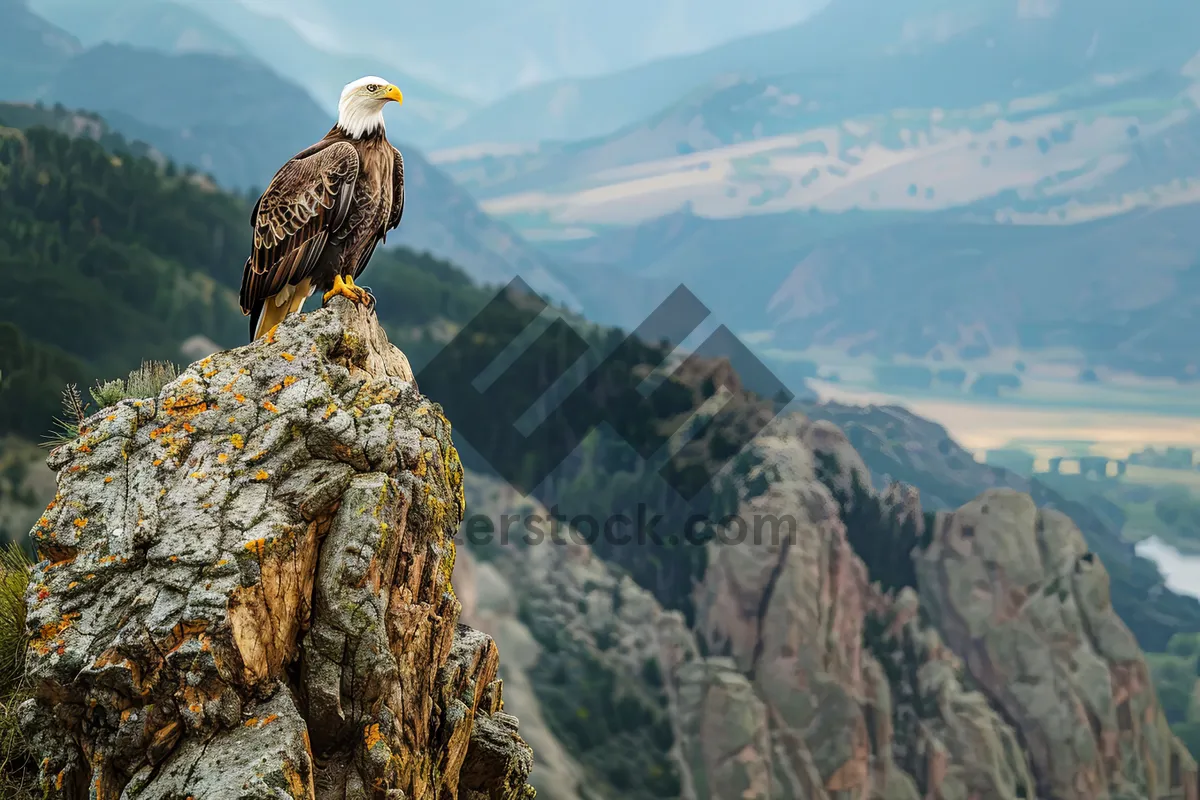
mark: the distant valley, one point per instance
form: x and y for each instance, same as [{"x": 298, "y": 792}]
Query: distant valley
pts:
[{"x": 993, "y": 176}]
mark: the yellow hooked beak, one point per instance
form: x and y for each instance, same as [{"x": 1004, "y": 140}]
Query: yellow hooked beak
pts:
[{"x": 392, "y": 93}]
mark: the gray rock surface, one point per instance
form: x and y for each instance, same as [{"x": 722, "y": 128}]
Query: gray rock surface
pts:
[
  {"x": 1016, "y": 594},
  {"x": 244, "y": 589}
]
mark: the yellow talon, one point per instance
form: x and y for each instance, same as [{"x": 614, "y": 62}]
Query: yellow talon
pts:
[
  {"x": 345, "y": 288},
  {"x": 364, "y": 297}
]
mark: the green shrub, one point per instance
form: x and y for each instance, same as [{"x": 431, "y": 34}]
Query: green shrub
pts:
[
  {"x": 145, "y": 381},
  {"x": 17, "y": 769}
]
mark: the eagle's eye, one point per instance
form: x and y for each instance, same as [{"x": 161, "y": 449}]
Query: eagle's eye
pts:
[{"x": 371, "y": 87}]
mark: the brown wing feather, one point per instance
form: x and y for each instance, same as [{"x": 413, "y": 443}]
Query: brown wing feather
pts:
[
  {"x": 307, "y": 201},
  {"x": 397, "y": 191}
]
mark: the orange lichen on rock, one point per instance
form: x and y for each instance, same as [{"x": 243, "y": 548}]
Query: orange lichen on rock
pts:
[
  {"x": 269, "y": 406},
  {"x": 46, "y": 639},
  {"x": 371, "y": 736},
  {"x": 185, "y": 405}
]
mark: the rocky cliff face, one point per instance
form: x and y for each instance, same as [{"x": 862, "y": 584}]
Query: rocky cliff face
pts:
[
  {"x": 1017, "y": 594},
  {"x": 244, "y": 589},
  {"x": 991, "y": 666}
]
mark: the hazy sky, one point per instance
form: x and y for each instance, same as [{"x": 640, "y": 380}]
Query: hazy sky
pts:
[{"x": 484, "y": 48}]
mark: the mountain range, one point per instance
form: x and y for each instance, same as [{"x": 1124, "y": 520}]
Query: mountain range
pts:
[
  {"x": 230, "y": 28},
  {"x": 485, "y": 49},
  {"x": 921, "y": 179}
]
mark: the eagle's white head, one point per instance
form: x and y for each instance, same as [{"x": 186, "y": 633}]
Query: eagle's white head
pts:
[{"x": 360, "y": 111}]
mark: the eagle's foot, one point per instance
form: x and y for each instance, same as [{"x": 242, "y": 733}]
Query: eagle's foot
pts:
[
  {"x": 367, "y": 299},
  {"x": 345, "y": 287},
  {"x": 370, "y": 298}
]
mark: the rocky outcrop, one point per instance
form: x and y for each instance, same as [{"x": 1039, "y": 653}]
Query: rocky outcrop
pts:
[
  {"x": 787, "y": 608},
  {"x": 245, "y": 589},
  {"x": 801, "y": 677},
  {"x": 948, "y": 738},
  {"x": 1018, "y": 595}
]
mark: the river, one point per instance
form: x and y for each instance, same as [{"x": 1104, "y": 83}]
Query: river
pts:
[{"x": 1182, "y": 572}]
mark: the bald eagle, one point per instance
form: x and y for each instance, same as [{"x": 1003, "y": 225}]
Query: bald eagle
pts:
[{"x": 319, "y": 220}]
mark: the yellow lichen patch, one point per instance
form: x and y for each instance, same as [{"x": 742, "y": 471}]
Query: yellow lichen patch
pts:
[
  {"x": 241, "y": 398},
  {"x": 199, "y": 475},
  {"x": 211, "y": 373},
  {"x": 287, "y": 356},
  {"x": 187, "y": 426},
  {"x": 108, "y": 479},
  {"x": 81, "y": 522},
  {"x": 72, "y": 584},
  {"x": 158, "y": 462},
  {"x": 329, "y": 412},
  {"x": 261, "y": 475},
  {"x": 270, "y": 338},
  {"x": 110, "y": 417},
  {"x": 372, "y": 736},
  {"x": 289, "y": 380},
  {"x": 187, "y": 380},
  {"x": 447, "y": 564},
  {"x": 269, "y": 406},
  {"x": 222, "y": 458},
  {"x": 195, "y": 708},
  {"x": 222, "y": 562},
  {"x": 232, "y": 420},
  {"x": 237, "y": 442},
  {"x": 274, "y": 389},
  {"x": 258, "y": 547}
]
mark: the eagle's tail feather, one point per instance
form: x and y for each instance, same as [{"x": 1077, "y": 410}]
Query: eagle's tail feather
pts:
[{"x": 288, "y": 301}]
